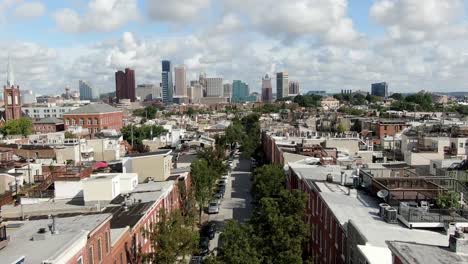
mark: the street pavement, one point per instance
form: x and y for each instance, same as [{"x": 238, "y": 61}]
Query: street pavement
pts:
[{"x": 236, "y": 203}]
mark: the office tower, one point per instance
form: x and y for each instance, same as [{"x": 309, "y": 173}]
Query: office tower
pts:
[
  {"x": 227, "y": 87},
  {"x": 28, "y": 97},
  {"x": 240, "y": 91},
  {"x": 379, "y": 89},
  {"x": 267, "y": 89},
  {"x": 125, "y": 85},
  {"x": 202, "y": 82},
  {"x": 195, "y": 93},
  {"x": 282, "y": 85},
  {"x": 167, "y": 86},
  {"x": 11, "y": 95},
  {"x": 87, "y": 92},
  {"x": 293, "y": 88},
  {"x": 148, "y": 92},
  {"x": 214, "y": 87},
  {"x": 180, "y": 81}
]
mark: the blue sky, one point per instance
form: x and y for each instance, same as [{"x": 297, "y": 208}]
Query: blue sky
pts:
[{"x": 324, "y": 44}]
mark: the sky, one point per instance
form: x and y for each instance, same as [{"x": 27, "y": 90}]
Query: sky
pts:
[{"x": 324, "y": 44}]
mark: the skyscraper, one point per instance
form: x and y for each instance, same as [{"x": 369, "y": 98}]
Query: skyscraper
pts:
[
  {"x": 125, "y": 85},
  {"x": 180, "y": 81},
  {"x": 293, "y": 88},
  {"x": 227, "y": 87},
  {"x": 202, "y": 82},
  {"x": 214, "y": 87},
  {"x": 267, "y": 89},
  {"x": 240, "y": 91},
  {"x": 282, "y": 85},
  {"x": 87, "y": 92},
  {"x": 379, "y": 89},
  {"x": 167, "y": 86}
]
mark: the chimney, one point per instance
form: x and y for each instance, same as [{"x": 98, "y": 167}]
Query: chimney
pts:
[{"x": 458, "y": 242}]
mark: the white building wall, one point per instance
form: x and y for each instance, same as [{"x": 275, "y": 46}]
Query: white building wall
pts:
[{"x": 68, "y": 189}]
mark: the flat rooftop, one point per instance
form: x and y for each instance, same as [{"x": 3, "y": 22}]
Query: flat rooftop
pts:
[
  {"x": 312, "y": 173},
  {"x": 71, "y": 230},
  {"x": 363, "y": 212},
  {"x": 427, "y": 254},
  {"x": 45, "y": 208}
]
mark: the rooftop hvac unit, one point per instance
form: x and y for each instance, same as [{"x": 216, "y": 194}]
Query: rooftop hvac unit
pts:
[
  {"x": 390, "y": 215},
  {"x": 382, "y": 207}
]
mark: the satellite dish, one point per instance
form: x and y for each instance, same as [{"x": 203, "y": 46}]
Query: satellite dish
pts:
[{"x": 382, "y": 194}]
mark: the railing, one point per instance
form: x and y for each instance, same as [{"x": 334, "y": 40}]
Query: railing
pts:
[
  {"x": 421, "y": 215},
  {"x": 451, "y": 184}
]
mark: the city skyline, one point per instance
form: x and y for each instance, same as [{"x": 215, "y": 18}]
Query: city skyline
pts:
[{"x": 329, "y": 45}]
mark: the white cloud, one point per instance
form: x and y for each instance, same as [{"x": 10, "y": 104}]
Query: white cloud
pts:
[
  {"x": 178, "y": 11},
  {"x": 30, "y": 10},
  {"x": 101, "y": 16},
  {"x": 288, "y": 20},
  {"x": 414, "y": 21}
]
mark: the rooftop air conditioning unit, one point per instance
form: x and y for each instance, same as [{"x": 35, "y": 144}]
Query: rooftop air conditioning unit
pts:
[
  {"x": 390, "y": 215},
  {"x": 382, "y": 207}
]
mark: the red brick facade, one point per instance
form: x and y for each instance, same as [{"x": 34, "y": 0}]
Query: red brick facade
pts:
[
  {"x": 95, "y": 122},
  {"x": 327, "y": 242},
  {"x": 47, "y": 128},
  {"x": 383, "y": 129}
]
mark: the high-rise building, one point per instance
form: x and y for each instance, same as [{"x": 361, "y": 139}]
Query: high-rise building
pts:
[
  {"x": 180, "y": 81},
  {"x": 267, "y": 89},
  {"x": 125, "y": 85},
  {"x": 195, "y": 93},
  {"x": 87, "y": 92},
  {"x": 227, "y": 87},
  {"x": 28, "y": 97},
  {"x": 282, "y": 85},
  {"x": 379, "y": 89},
  {"x": 293, "y": 88},
  {"x": 148, "y": 92},
  {"x": 240, "y": 91},
  {"x": 214, "y": 87},
  {"x": 166, "y": 84},
  {"x": 202, "y": 82}
]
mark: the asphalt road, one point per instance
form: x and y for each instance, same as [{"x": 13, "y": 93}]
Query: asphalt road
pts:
[{"x": 236, "y": 203}]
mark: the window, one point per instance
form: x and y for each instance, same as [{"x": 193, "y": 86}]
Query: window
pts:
[
  {"x": 80, "y": 260},
  {"x": 81, "y": 121},
  {"x": 91, "y": 255},
  {"x": 89, "y": 121},
  {"x": 73, "y": 122},
  {"x": 107, "y": 241},
  {"x": 121, "y": 258},
  {"x": 99, "y": 249},
  {"x": 95, "y": 121},
  {"x": 461, "y": 145},
  {"x": 67, "y": 122}
]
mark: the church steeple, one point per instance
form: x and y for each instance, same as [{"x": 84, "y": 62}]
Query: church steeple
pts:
[{"x": 10, "y": 74}]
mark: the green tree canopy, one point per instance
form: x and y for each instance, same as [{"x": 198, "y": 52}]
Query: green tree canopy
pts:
[
  {"x": 269, "y": 180},
  {"x": 238, "y": 245},
  {"x": 203, "y": 182},
  {"x": 148, "y": 112},
  {"x": 22, "y": 126},
  {"x": 172, "y": 239}
]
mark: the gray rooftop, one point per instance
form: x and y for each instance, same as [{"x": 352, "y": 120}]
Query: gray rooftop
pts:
[
  {"x": 49, "y": 120},
  {"x": 71, "y": 230},
  {"x": 419, "y": 253},
  {"x": 94, "y": 109}
]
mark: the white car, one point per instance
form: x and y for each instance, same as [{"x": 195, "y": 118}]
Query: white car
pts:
[{"x": 213, "y": 208}]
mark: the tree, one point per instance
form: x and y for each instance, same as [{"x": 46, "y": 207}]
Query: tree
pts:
[
  {"x": 69, "y": 134},
  {"x": 342, "y": 127},
  {"x": 148, "y": 112},
  {"x": 279, "y": 227},
  {"x": 269, "y": 180},
  {"x": 22, "y": 126},
  {"x": 397, "y": 96},
  {"x": 139, "y": 133},
  {"x": 203, "y": 181},
  {"x": 172, "y": 239},
  {"x": 238, "y": 245},
  {"x": 448, "y": 200}
]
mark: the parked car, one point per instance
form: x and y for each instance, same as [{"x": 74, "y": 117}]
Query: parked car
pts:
[
  {"x": 204, "y": 245},
  {"x": 196, "y": 260},
  {"x": 222, "y": 182},
  {"x": 209, "y": 230},
  {"x": 218, "y": 196},
  {"x": 218, "y": 201},
  {"x": 213, "y": 207}
]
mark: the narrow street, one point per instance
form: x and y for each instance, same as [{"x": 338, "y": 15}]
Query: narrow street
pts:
[{"x": 237, "y": 200}]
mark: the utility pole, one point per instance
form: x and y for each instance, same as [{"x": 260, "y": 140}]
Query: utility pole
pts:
[{"x": 131, "y": 131}]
